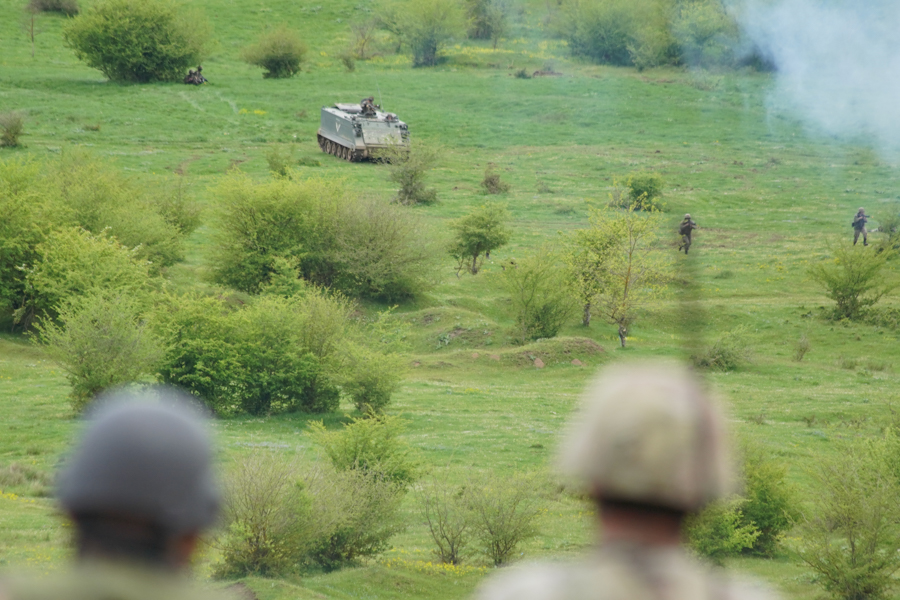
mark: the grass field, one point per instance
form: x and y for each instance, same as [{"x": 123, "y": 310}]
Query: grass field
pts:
[{"x": 767, "y": 191}]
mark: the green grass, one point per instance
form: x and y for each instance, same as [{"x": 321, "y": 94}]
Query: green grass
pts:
[{"x": 766, "y": 192}]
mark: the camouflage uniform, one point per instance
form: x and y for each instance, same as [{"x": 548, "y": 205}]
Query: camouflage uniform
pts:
[
  {"x": 685, "y": 229},
  {"x": 139, "y": 489},
  {"x": 859, "y": 226},
  {"x": 649, "y": 438}
]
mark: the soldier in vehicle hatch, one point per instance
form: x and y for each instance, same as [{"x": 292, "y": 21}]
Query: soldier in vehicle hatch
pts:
[
  {"x": 859, "y": 226},
  {"x": 648, "y": 448},
  {"x": 139, "y": 489},
  {"x": 686, "y": 227},
  {"x": 368, "y": 106}
]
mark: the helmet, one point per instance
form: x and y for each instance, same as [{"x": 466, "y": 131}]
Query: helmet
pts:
[
  {"x": 649, "y": 434},
  {"x": 687, "y": 216},
  {"x": 861, "y": 209},
  {"x": 143, "y": 459}
]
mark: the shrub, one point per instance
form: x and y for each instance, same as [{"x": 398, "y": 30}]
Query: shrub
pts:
[
  {"x": 101, "y": 341},
  {"x": 267, "y": 517},
  {"x": 138, "y": 40},
  {"x": 370, "y": 445},
  {"x": 492, "y": 183},
  {"x": 719, "y": 530},
  {"x": 22, "y": 227},
  {"x": 371, "y": 377},
  {"x": 363, "y": 39},
  {"x": 448, "y": 518},
  {"x": 644, "y": 191},
  {"x": 770, "y": 504},
  {"x": 408, "y": 169},
  {"x": 504, "y": 512},
  {"x": 12, "y": 127},
  {"x": 280, "y": 164},
  {"x": 541, "y": 300},
  {"x": 279, "y": 52},
  {"x": 72, "y": 262},
  {"x": 177, "y": 208},
  {"x": 67, "y": 7},
  {"x": 425, "y": 26},
  {"x": 850, "y": 537},
  {"x": 802, "y": 349},
  {"x": 853, "y": 278},
  {"x": 488, "y": 19},
  {"x": 727, "y": 353},
  {"x": 478, "y": 233},
  {"x": 706, "y": 34}
]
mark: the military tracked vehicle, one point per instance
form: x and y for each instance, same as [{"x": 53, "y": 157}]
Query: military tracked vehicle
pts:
[{"x": 356, "y": 132}]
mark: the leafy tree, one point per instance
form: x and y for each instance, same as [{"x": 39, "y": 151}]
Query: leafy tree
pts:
[
  {"x": 450, "y": 522},
  {"x": 279, "y": 52},
  {"x": 541, "y": 301},
  {"x": 370, "y": 377},
  {"x": 504, "y": 511},
  {"x": 586, "y": 256},
  {"x": 138, "y": 40},
  {"x": 634, "y": 269},
  {"x": 488, "y": 19},
  {"x": 477, "y": 234},
  {"x": 854, "y": 278},
  {"x": 425, "y": 26},
  {"x": 771, "y": 504},
  {"x": 706, "y": 34},
  {"x": 21, "y": 227},
  {"x": 101, "y": 341},
  {"x": 408, "y": 167}
]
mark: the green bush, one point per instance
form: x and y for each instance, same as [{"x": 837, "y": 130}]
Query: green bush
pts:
[
  {"x": 448, "y": 518},
  {"x": 504, "y": 513},
  {"x": 478, "y": 233},
  {"x": 706, "y": 34},
  {"x": 644, "y": 190},
  {"x": 719, "y": 530},
  {"x": 138, "y": 40},
  {"x": 541, "y": 300},
  {"x": 12, "y": 127},
  {"x": 370, "y": 445},
  {"x": 488, "y": 19},
  {"x": 71, "y": 262},
  {"x": 279, "y": 52},
  {"x": 67, "y": 7},
  {"x": 727, "y": 353},
  {"x": 101, "y": 341},
  {"x": 492, "y": 183},
  {"x": 370, "y": 378},
  {"x": 280, "y": 164},
  {"x": 409, "y": 167},
  {"x": 22, "y": 227},
  {"x": 854, "y": 278},
  {"x": 425, "y": 26},
  {"x": 770, "y": 502}
]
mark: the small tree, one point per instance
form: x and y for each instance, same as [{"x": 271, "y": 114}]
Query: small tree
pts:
[
  {"x": 138, "y": 40},
  {"x": 851, "y": 536},
  {"x": 644, "y": 190},
  {"x": 278, "y": 52},
  {"x": 101, "y": 341},
  {"x": 504, "y": 512},
  {"x": 586, "y": 256},
  {"x": 425, "y": 26},
  {"x": 488, "y": 19},
  {"x": 408, "y": 166},
  {"x": 12, "y": 127},
  {"x": 541, "y": 301},
  {"x": 449, "y": 520},
  {"x": 635, "y": 267},
  {"x": 477, "y": 234},
  {"x": 854, "y": 278},
  {"x": 770, "y": 501}
]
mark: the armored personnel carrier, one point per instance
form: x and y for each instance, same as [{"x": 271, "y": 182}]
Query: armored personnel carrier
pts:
[{"x": 355, "y": 132}]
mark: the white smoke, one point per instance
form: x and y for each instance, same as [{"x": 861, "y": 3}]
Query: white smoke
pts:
[{"x": 837, "y": 61}]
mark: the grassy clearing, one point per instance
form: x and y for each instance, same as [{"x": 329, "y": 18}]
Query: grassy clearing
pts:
[{"x": 766, "y": 192}]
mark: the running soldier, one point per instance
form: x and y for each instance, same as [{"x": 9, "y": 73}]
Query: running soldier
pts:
[
  {"x": 649, "y": 448},
  {"x": 685, "y": 229},
  {"x": 859, "y": 226}
]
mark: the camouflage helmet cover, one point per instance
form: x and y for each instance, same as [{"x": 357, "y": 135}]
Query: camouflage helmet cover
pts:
[
  {"x": 861, "y": 209},
  {"x": 687, "y": 216},
  {"x": 649, "y": 434},
  {"x": 143, "y": 459}
]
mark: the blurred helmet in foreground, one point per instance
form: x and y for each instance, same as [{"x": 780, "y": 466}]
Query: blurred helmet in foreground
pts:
[
  {"x": 146, "y": 456},
  {"x": 649, "y": 434}
]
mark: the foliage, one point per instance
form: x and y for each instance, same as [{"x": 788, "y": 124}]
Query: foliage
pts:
[
  {"x": 644, "y": 191},
  {"x": 541, "y": 300},
  {"x": 720, "y": 530},
  {"x": 425, "y": 26},
  {"x": 178, "y": 209},
  {"x": 504, "y": 512},
  {"x": 850, "y": 536},
  {"x": 21, "y": 228},
  {"x": 67, "y": 7},
  {"x": 448, "y": 518},
  {"x": 492, "y": 183},
  {"x": 363, "y": 39},
  {"x": 280, "y": 164},
  {"x": 279, "y": 52},
  {"x": 253, "y": 360},
  {"x": 371, "y": 445},
  {"x": 854, "y": 278},
  {"x": 770, "y": 504},
  {"x": 706, "y": 34},
  {"x": 370, "y": 377},
  {"x": 585, "y": 257},
  {"x": 408, "y": 168},
  {"x": 12, "y": 127},
  {"x": 634, "y": 267},
  {"x": 488, "y": 19},
  {"x": 889, "y": 227},
  {"x": 478, "y": 233},
  {"x": 138, "y": 40},
  {"x": 101, "y": 341},
  {"x": 727, "y": 353},
  {"x": 71, "y": 262}
]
